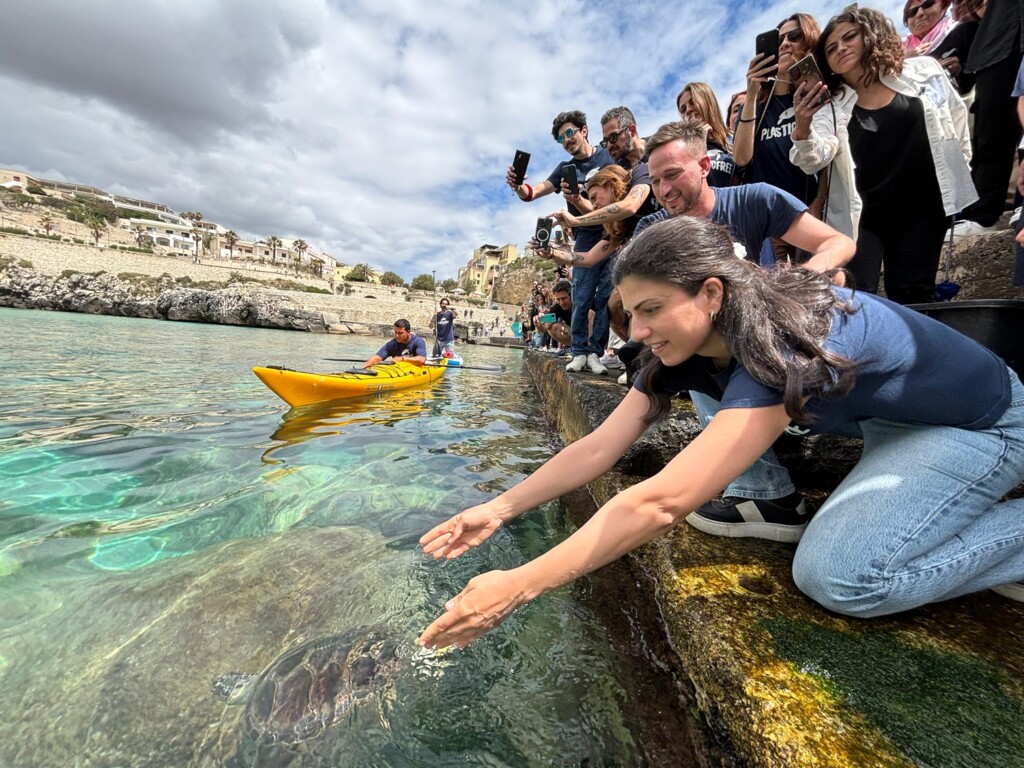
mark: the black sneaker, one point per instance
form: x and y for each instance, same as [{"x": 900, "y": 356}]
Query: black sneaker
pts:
[
  {"x": 1013, "y": 591},
  {"x": 778, "y": 519}
]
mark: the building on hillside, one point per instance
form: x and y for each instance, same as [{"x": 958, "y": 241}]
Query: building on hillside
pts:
[
  {"x": 488, "y": 262},
  {"x": 342, "y": 272},
  {"x": 17, "y": 180}
]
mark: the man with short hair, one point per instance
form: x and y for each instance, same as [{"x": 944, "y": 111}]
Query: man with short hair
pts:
[
  {"x": 406, "y": 346},
  {"x": 762, "y": 502},
  {"x": 570, "y": 130},
  {"x": 559, "y": 329},
  {"x": 443, "y": 323}
]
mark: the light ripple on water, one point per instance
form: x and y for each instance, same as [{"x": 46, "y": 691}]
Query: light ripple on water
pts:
[{"x": 129, "y": 446}]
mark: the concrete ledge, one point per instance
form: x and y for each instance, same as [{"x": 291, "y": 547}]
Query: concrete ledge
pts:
[{"x": 789, "y": 683}]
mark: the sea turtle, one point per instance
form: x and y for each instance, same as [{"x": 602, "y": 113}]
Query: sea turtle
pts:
[{"x": 309, "y": 687}]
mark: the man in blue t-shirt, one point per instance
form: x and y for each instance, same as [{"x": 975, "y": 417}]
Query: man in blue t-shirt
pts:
[
  {"x": 443, "y": 323},
  {"x": 406, "y": 346},
  {"x": 570, "y": 130},
  {"x": 678, "y": 165}
]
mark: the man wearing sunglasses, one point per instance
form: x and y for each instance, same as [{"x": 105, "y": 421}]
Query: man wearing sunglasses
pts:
[{"x": 590, "y": 285}]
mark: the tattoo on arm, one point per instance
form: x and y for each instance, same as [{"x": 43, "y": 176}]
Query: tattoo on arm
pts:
[
  {"x": 614, "y": 208},
  {"x": 576, "y": 258}
]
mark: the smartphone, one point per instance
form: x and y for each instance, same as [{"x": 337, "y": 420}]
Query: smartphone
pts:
[
  {"x": 548, "y": 318},
  {"x": 767, "y": 43},
  {"x": 522, "y": 159},
  {"x": 543, "y": 232},
  {"x": 806, "y": 71},
  {"x": 571, "y": 178}
]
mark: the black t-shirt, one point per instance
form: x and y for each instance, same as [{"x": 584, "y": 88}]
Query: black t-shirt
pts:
[
  {"x": 773, "y": 138},
  {"x": 586, "y": 237},
  {"x": 895, "y": 171},
  {"x": 565, "y": 315}
]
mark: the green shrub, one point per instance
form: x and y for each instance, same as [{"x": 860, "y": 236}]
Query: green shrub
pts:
[
  {"x": 15, "y": 231},
  {"x": 35, "y": 189}
]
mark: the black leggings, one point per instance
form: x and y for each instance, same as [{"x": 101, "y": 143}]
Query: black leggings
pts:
[{"x": 910, "y": 247}]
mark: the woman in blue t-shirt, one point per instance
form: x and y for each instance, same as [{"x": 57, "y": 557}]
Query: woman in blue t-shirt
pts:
[{"x": 917, "y": 520}]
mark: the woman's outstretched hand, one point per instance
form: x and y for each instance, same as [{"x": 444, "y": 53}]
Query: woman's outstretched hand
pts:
[
  {"x": 486, "y": 601},
  {"x": 461, "y": 533}
]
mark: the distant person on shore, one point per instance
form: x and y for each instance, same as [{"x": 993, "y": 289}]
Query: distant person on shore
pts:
[
  {"x": 406, "y": 346},
  {"x": 443, "y": 323}
]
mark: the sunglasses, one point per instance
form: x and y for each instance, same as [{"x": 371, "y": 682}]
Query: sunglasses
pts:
[
  {"x": 912, "y": 12},
  {"x": 569, "y": 133},
  {"x": 797, "y": 35},
  {"x": 613, "y": 138}
]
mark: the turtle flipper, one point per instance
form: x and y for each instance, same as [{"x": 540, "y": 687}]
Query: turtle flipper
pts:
[{"x": 231, "y": 686}]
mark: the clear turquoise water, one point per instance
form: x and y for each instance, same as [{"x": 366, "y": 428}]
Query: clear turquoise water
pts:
[{"x": 165, "y": 518}]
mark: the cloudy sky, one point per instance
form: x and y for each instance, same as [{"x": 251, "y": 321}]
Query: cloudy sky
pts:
[{"x": 377, "y": 131}]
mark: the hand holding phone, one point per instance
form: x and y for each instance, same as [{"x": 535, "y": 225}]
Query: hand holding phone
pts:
[
  {"x": 519, "y": 164},
  {"x": 548, "y": 318},
  {"x": 542, "y": 234},
  {"x": 806, "y": 73},
  {"x": 571, "y": 178}
]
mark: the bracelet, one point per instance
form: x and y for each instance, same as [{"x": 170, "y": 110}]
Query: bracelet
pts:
[
  {"x": 529, "y": 193},
  {"x": 746, "y": 119}
]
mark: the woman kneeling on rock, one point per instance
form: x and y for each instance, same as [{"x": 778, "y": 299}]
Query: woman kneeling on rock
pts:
[{"x": 917, "y": 520}]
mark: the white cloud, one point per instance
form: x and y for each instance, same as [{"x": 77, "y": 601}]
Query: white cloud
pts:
[{"x": 377, "y": 131}]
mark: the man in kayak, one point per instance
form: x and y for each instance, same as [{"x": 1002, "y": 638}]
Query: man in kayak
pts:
[{"x": 405, "y": 346}]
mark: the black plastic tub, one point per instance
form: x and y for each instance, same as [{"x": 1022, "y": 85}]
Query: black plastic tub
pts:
[{"x": 996, "y": 323}]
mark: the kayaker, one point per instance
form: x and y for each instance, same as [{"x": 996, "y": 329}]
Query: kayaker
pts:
[
  {"x": 918, "y": 519},
  {"x": 406, "y": 346}
]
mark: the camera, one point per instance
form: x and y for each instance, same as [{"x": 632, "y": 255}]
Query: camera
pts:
[{"x": 543, "y": 232}]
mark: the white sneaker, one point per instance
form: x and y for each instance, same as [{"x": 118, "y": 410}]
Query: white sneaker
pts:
[
  {"x": 1014, "y": 217},
  {"x": 1013, "y": 591},
  {"x": 611, "y": 361},
  {"x": 594, "y": 365},
  {"x": 624, "y": 378},
  {"x": 577, "y": 364},
  {"x": 966, "y": 229}
]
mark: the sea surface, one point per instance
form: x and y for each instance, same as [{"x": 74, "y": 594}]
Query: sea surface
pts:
[{"x": 165, "y": 519}]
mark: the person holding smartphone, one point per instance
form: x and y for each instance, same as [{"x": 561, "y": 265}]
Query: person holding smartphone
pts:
[
  {"x": 933, "y": 33},
  {"x": 764, "y": 129},
  {"x": 896, "y": 137}
]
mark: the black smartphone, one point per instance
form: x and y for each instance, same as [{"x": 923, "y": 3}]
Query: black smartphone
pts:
[
  {"x": 573, "y": 180},
  {"x": 543, "y": 232},
  {"x": 522, "y": 159},
  {"x": 767, "y": 43},
  {"x": 806, "y": 71}
]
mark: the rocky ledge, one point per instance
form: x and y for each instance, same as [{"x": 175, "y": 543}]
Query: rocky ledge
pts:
[{"x": 163, "y": 298}]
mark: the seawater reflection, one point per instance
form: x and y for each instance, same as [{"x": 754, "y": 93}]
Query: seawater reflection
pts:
[{"x": 165, "y": 520}]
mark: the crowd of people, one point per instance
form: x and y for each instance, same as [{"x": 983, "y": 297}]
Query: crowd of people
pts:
[
  {"x": 849, "y": 160},
  {"x": 901, "y": 144}
]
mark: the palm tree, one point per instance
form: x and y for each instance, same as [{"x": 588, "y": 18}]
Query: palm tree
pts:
[
  {"x": 360, "y": 273},
  {"x": 97, "y": 226},
  {"x": 301, "y": 246},
  {"x": 232, "y": 237},
  {"x": 274, "y": 242},
  {"x": 47, "y": 221},
  {"x": 141, "y": 235},
  {"x": 197, "y": 232}
]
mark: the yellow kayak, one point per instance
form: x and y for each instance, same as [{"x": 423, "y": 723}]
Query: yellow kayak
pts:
[{"x": 299, "y": 388}]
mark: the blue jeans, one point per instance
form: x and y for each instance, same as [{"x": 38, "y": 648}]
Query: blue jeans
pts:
[
  {"x": 766, "y": 478},
  {"x": 919, "y": 518},
  {"x": 591, "y": 287}
]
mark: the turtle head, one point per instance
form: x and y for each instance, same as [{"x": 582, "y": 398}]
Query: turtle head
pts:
[{"x": 234, "y": 687}]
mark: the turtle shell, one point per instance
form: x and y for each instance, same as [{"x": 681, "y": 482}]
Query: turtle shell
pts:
[{"x": 308, "y": 688}]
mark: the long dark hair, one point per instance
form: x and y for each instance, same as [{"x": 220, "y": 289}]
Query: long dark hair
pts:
[
  {"x": 883, "y": 48},
  {"x": 809, "y": 26},
  {"x": 774, "y": 321}
]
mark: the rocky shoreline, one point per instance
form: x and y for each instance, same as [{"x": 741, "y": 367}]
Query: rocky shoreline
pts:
[{"x": 165, "y": 298}]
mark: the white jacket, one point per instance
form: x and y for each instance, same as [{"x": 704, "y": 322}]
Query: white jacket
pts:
[{"x": 945, "y": 120}]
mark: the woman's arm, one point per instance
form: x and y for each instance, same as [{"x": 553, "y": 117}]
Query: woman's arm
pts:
[
  {"x": 826, "y": 134},
  {"x": 728, "y": 445},
  {"x": 760, "y": 68},
  {"x": 571, "y": 468},
  {"x": 590, "y": 258}
]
